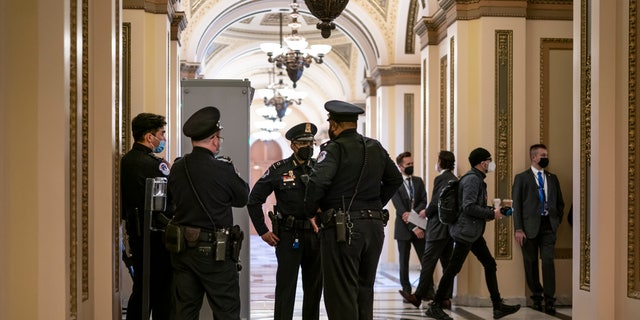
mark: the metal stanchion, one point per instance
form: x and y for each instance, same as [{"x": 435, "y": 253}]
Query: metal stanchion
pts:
[{"x": 155, "y": 200}]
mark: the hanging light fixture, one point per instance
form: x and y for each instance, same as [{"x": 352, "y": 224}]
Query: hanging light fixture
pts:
[
  {"x": 326, "y": 11},
  {"x": 295, "y": 56},
  {"x": 277, "y": 98}
]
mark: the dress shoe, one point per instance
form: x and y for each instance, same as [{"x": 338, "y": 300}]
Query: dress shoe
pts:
[
  {"x": 537, "y": 303},
  {"x": 435, "y": 311},
  {"x": 446, "y": 304},
  {"x": 501, "y": 310},
  {"x": 410, "y": 298},
  {"x": 549, "y": 307}
]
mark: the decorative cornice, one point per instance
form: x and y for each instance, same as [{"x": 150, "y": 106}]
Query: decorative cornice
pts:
[
  {"x": 178, "y": 24},
  {"x": 433, "y": 29},
  {"x": 189, "y": 70},
  {"x": 396, "y": 75},
  {"x": 151, "y": 6},
  {"x": 369, "y": 86}
]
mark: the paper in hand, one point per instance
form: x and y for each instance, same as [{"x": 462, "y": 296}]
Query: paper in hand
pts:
[{"x": 417, "y": 220}]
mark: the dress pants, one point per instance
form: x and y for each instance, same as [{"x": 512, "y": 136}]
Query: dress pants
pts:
[
  {"x": 290, "y": 261},
  {"x": 350, "y": 270},
  {"x": 160, "y": 283},
  {"x": 196, "y": 274},
  {"x": 404, "y": 252},
  {"x": 460, "y": 251},
  {"x": 545, "y": 242},
  {"x": 436, "y": 249}
]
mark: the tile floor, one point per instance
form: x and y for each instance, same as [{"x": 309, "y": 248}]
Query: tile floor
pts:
[{"x": 387, "y": 305}]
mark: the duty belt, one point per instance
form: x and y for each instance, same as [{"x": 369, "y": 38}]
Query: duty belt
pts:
[
  {"x": 290, "y": 222},
  {"x": 328, "y": 216},
  {"x": 366, "y": 214},
  {"x": 208, "y": 235}
]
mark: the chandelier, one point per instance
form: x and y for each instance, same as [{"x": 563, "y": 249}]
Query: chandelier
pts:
[
  {"x": 277, "y": 98},
  {"x": 326, "y": 11},
  {"x": 295, "y": 56}
]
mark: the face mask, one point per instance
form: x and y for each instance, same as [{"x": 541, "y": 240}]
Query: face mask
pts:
[
  {"x": 408, "y": 170},
  {"x": 160, "y": 146},
  {"x": 544, "y": 162},
  {"x": 492, "y": 167},
  {"x": 305, "y": 153}
]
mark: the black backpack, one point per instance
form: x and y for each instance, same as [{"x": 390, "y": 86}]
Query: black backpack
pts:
[{"x": 448, "y": 206}]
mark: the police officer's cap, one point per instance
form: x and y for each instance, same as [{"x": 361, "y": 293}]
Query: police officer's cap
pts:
[
  {"x": 341, "y": 111},
  {"x": 202, "y": 124},
  {"x": 302, "y": 132}
]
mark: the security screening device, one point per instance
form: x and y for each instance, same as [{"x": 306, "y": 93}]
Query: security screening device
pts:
[{"x": 155, "y": 203}]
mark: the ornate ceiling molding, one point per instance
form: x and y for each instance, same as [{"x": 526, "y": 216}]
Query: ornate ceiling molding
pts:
[
  {"x": 396, "y": 75},
  {"x": 433, "y": 29},
  {"x": 151, "y": 6}
]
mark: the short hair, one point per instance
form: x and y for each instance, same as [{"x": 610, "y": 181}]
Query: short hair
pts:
[
  {"x": 447, "y": 160},
  {"x": 146, "y": 122},
  {"x": 401, "y": 156},
  {"x": 534, "y": 148}
]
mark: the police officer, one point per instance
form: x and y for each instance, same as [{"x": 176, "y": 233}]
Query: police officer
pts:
[
  {"x": 136, "y": 166},
  {"x": 297, "y": 244},
  {"x": 203, "y": 187},
  {"x": 352, "y": 181}
]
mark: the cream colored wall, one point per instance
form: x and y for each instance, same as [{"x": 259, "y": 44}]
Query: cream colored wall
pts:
[
  {"x": 150, "y": 56},
  {"x": 607, "y": 294},
  {"x": 33, "y": 168}
]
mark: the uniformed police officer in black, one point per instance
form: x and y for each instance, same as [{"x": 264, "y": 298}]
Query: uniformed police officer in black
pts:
[
  {"x": 351, "y": 184},
  {"x": 297, "y": 244},
  {"x": 202, "y": 188},
  {"x": 136, "y": 166}
]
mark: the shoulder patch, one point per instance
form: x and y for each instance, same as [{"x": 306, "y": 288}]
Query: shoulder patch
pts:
[
  {"x": 224, "y": 159},
  {"x": 266, "y": 173},
  {"x": 277, "y": 164},
  {"x": 164, "y": 168},
  {"x": 321, "y": 156}
]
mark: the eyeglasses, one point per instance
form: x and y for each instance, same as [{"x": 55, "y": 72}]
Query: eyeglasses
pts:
[{"x": 221, "y": 139}]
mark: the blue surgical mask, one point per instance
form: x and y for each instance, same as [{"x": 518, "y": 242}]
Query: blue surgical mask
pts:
[{"x": 160, "y": 146}]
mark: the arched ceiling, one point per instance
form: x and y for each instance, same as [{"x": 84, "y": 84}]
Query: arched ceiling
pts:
[{"x": 224, "y": 37}]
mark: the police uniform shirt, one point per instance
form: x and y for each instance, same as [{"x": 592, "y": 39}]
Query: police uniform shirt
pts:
[
  {"x": 218, "y": 185},
  {"x": 338, "y": 168},
  {"x": 284, "y": 178},
  {"x": 136, "y": 166}
]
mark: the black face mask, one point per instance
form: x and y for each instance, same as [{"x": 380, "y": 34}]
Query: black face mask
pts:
[
  {"x": 305, "y": 153},
  {"x": 544, "y": 162},
  {"x": 408, "y": 170}
]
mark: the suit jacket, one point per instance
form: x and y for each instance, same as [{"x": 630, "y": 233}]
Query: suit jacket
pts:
[
  {"x": 435, "y": 229},
  {"x": 402, "y": 203},
  {"x": 526, "y": 202}
]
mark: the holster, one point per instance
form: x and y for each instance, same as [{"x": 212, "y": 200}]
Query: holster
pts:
[
  {"x": 173, "y": 238},
  {"x": 385, "y": 217},
  {"x": 236, "y": 236},
  {"x": 275, "y": 228}
]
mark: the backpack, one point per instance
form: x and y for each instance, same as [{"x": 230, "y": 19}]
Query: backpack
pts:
[{"x": 448, "y": 206}]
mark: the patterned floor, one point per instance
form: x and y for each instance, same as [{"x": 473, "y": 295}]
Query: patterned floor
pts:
[{"x": 387, "y": 305}]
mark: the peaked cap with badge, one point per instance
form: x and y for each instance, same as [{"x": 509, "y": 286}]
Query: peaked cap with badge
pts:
[
  {"x": 340, "y": 111},
  {"x": 302, "y": 132},
  {"x": 202, "y": 124}
]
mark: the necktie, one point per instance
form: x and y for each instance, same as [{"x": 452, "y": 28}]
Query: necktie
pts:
[
  {"x": 541, "y": 192},
  {"x": 410, "y": 185}
]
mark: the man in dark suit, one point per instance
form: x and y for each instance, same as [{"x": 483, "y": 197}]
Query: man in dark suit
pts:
[
  {"x": 439, "y": 243},
  {"x": 411, "y": 195},
  {"x": 537, "y": 213}
]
